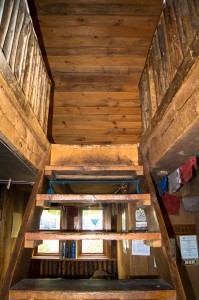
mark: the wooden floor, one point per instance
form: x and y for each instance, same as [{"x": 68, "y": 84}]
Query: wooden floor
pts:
[{"x": 92, "y": 289}]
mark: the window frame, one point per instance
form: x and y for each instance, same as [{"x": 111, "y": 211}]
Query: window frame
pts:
[
  {"x": 45, "y": 254},
  {"x": 106, "y": 226}
]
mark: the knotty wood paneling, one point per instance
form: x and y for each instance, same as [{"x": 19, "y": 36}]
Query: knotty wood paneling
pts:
[{"x": 96, "y": 51}]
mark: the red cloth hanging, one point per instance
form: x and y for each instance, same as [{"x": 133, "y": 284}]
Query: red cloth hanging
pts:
[
  {"x": 171, "y": 203},
  {"x": 186, "y": 170}
]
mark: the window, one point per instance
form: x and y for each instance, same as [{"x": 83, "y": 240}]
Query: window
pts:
[
  {"x": 50, "y": 220},
  {"x": 92, "y": 219},
  {"x": 92, "y": 246}
]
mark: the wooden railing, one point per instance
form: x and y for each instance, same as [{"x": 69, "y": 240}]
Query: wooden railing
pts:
[
  {"x": 20, "y": 56},
  {"x": 171, "y": 55}
]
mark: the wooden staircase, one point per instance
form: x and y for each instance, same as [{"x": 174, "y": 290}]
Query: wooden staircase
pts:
[{"x": 166, "y": 286}]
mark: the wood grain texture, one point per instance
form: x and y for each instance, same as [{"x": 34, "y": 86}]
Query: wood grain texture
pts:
[
  {"x": 174, "y": 138},
  {"x": 96, "y": 52},
  {"x": 138, "y": 289},
  {"x": 20, "y": 50},
  {"x": 41, "y": 199},
  {"x": 29, "y": 222},
  {"x": 78, "y": 236},
  {"x": 175, "y": 38}
]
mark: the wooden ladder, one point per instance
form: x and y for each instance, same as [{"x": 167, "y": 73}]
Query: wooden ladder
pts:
[{"x": 166, "y": 286}]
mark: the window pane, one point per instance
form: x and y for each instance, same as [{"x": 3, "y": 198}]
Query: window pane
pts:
[
  {"x": 49, "y": 246},
  {"x": 92, "y": 219},
  {"x": 50, "y": 219},
  {"x": 92, "y": 246}
]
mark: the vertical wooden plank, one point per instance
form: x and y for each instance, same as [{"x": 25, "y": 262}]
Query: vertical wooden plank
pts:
[
  {"x": 25, "y": 53},
  {"x": 141, "y": 88},
  {"x": 156, "y": 70},
  {"x": 77, "y": 269},
  {"x": 22, "y": 49},
  {"x": 163, "y": 55},
  {"x": 2, "y": 5},
  {"x": 32, "y": 77},
  {"x": 196, "y": 7},
  {"x": 7, "y": 12},
  {"x": 63, "y": 268},
  {"x": 59, "y": 268},
  {"x": 115, "y": 266},
  {"x": 169, "y": 43},
  {"x": 7, "y": 47},
  {"x": 33, "y": 84},
  {"x": 152, "y": 63},
  {"x": 152, "y": 91},
  {"x": 38, "y": 90},
  {"x": 54, "y": 268},
  {"x": 81, "y": 269},
  {"x": 68, "y": 269},
  {"x": 43, "y": 100},
  {"x": 186, "y": 19},
  {"x": 159, "y": 66},
  {"x": 180, "y": 28},
  {"x": 47, "y": 100},
  {"x": 193, "y": 7},
  {"x": 41, "y": 269},
  {"x": 28, "y": 66},
  {"x": 19, "y": 24},
  {"x": 146, "y": 97},
  {"x": 35, "y": 81}
]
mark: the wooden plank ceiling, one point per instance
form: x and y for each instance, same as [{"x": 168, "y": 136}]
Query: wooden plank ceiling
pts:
[{"x": 96, "y": 51}]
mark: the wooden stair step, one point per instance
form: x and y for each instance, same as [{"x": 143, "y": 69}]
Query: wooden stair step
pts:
[
  {"x": 93, "y": 172},
  {"x": 81, "y": 235},
  {"x": 80, "y": 289},
  {"x": 47, "y": 199}
]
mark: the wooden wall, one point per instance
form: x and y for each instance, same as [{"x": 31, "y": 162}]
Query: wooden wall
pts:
[
  {"x": 70, "y": 269},
  {"x": 130, "y": 266},
  {"x": 96, "y": 52},
  {"x": 20, "y": 50},
  {"x": 24, "y": 85},
  {"x": 176, "y": 30},
  {"x": 169, "y": 90},
  {"x": 11, "y": 201},
  {"x": 185, "y": 224}
]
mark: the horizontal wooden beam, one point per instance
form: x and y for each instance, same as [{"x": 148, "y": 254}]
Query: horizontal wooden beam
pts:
[
  {"x": 80, "y": 172},
  {"x": 59, "y": 235},
  {"x": 42, "y": 199},
  {"x": 69, "y": 169},
  {"x": 94, "y": 155}
]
